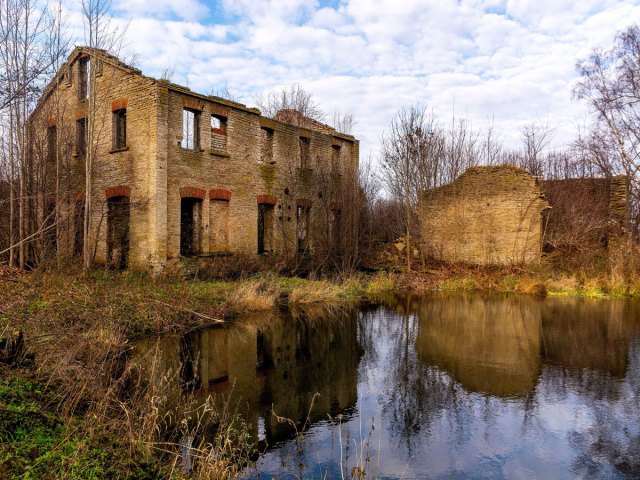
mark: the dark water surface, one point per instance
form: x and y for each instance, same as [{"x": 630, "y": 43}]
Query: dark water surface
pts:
[{"x": 434, "y": 387}]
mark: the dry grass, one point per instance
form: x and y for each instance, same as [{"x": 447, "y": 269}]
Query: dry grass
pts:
[
  {"x": 252, "y": 295},
  {"x": 315, "y": 291}
]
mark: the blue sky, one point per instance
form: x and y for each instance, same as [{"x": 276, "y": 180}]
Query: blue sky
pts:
[{"x": 509, "y": 62}]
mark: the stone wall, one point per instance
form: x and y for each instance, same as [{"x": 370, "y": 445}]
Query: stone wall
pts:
[
  {"x": 488, "y": 215},
  {"x": 587, "y": 214}
]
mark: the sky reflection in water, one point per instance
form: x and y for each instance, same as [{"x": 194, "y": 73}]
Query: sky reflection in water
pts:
[{"x": 455, "y": 387}]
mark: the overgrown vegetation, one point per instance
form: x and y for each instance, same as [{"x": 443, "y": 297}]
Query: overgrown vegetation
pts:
[{"x": 84, "y": 410}]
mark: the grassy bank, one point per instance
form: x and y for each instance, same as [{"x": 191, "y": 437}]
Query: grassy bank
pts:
[
  {"x": 77, "y": 407},
  {"x": 537, "y": 281}
]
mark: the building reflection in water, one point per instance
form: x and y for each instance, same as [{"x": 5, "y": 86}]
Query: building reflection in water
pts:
[
  {"x": 479, "y": 385},
  {"x": 498, "y": 345},
  {"x": 271, "y": 363}
]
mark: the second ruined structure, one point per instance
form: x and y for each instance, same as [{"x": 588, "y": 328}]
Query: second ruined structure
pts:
[
  {"x": 502, "y": 215},
  {"x": 488, "y": 215}
]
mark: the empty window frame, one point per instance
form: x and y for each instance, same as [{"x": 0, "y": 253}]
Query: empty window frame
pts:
[
  {"x": 336, "y": 152},
  {"x": 118, "y": 213},
  {"x": 78, "y": 229},
  {"x": 119, "y": 129},
  {"x": 190, "y": 226},
  {"x": 266, "y": 145},
  {"x": 303, "y": 224},
  {"x": 265, "y": 228},
  {"x": 305, "y": 152},
  {"x": 218, "y": 132},
  {"x": 81, "y": 137},
  {"x": 84, "y": 75},
  {"x": 190, "y": 129},
  {"x": 52, "y": 144}
]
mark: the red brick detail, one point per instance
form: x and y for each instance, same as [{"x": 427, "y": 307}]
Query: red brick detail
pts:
[
  {"x": 304, "y": 202},
  {"x": 51, "y": 122},
  {"x": 267, "y": 123},
  {"x": 80, "y": 114},
  {"x": 119, "y": 191},
  {"x": 219, "y": 131},
  {"x": 119, "y": 104},
  {"x": 269, "y": 199},
  {"x": 192, "y": 103},
  {"x": 193, "y": 192},
  {"x": 336, "y": 143},
  {"x": 305, "y": 133},
  {"x": 220, "y": 111},
  {"x": 219, "y": 194}
]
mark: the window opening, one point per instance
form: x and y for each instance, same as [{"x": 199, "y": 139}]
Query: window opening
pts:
[
  {"x": 81, "y": 137},
  {"x": 303, "y": 217},
  {"x": 84, "y": 68},
  {"x": 120, "y": 129},
  {"x": 218, "y": 132},
  {"x": 190, "y": 224},
  {"x": 190, "y": 129},
  {"x": 305, "y": 153},
  {"x": 265, "y": 228},
  {"x": 266, "y": 145},
  {"x": 52, "y": 144},
  {"x": 78, "y": 237},
  {"x": 335, "y": 158},
  {"x": 118, "y": 214}
]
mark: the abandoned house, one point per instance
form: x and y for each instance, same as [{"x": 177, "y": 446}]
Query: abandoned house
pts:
[
  {"x": 503, "y": 215},
  {"x": 175, "y": 173}
]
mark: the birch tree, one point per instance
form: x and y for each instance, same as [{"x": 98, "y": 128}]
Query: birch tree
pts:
[
  {"x": 100, "y": 33},
  {"x": 610, "y": 83}
]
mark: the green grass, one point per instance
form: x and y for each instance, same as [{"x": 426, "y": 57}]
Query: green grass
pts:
[{"x": 36, "y": 443}]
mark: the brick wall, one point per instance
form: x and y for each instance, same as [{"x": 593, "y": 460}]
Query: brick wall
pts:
[
  {"x": 586, "y": 214},
  {"x": 488, "y": 215},
  {"x": 236, "y": 158}
]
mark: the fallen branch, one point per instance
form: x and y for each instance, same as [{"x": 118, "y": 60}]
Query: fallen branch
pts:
[{"x": 199, "y": 315}]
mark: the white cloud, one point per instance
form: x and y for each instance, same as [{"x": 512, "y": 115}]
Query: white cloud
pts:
[{"x": 511, "y": 60}]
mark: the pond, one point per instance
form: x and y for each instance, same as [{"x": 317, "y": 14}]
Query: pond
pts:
[{"x": 478, "y": 386}]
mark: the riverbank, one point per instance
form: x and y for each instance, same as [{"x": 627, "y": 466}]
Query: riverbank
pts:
[
  {"x": 73, "y": 404},
  {"x": 541, "y": 281}
]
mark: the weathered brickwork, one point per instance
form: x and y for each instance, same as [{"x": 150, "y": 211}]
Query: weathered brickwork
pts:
[
  {"x": 488, "y": 215},
  {"x": 587, "y": 213},
  {"x": 206, "y": 187}
]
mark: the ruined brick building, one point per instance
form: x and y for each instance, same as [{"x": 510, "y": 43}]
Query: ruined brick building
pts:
[
  {"x": 503, "y": 215},
  {"x": 176, "y": 173}
]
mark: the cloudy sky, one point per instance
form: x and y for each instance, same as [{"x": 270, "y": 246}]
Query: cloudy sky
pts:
[{"x": 511, "y": 61}]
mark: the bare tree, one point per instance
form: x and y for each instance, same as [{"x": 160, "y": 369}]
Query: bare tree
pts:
[
  {"x": 24, "y": 65},
  {"x": 290, "y": 105},
  {"x": 491, "y": 149},
  {"x": 405, "y": 149},
  {"x": 343, "y": 122},
  {"x": 610, "y": 84},
  {"x": 100, "y": 34},
  {"x": 536, "y": 137}
]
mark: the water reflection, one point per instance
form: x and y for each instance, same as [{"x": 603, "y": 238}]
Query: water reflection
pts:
[
  {"x": 272, "y": 362},
  {"x": 489, "y": 345},
  {"x": 478, "y": 386}
]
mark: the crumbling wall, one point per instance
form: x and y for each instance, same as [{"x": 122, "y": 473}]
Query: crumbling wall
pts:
[
  {"x": 586, "y": 215},
  {"x": 488, "y": 215}
]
